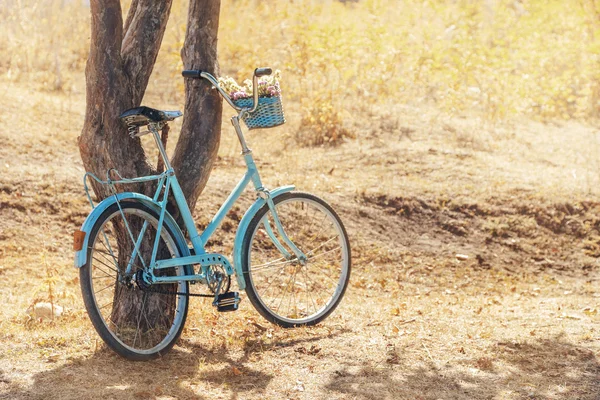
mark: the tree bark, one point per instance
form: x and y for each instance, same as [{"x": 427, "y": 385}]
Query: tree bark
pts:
[
  {"x": 198, "y": 142},
  {"x": 117, "y": 72},
  {"x": 121, "y": 59}
]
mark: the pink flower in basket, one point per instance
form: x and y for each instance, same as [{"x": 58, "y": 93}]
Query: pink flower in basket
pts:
[{"x": 239, "y": 95}]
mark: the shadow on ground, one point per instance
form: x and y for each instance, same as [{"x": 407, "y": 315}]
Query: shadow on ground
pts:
[
  {"x": 537, "y": 369},
  {"x": 542, "y": 369},
  {"x": 108, "y": 376}
]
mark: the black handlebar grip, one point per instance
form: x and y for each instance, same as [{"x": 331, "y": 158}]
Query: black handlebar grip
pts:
[
  {"x": 191, "y": 73},
  {"x": 258, "y": 72}
]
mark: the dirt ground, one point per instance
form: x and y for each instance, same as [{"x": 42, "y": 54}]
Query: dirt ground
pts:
[{"x": 475, "y": 264}]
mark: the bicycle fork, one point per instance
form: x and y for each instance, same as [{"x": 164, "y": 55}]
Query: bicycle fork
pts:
[
  {"x": 264, "y": 193},
  {"x": 299, "y": 255}
]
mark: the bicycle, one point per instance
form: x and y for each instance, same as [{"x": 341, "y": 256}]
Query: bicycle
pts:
[{"x": 291, "y": 253}]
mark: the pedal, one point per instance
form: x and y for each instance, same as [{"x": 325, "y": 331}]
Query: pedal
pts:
[{"x": 227, "y": 301}]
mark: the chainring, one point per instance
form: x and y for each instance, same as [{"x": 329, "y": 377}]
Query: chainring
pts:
[{"x": 215, "y": 270}]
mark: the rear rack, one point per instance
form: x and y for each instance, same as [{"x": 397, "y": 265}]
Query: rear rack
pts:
[{"x": 112, "y": 182}]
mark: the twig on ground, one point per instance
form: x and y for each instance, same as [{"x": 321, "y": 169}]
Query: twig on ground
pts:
[
  {"x": 407, "y": 322},
  {"x": 428, "y": 353}
]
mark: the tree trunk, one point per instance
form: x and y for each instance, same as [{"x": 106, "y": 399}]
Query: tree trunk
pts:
[
  {"x": 121, "y": 59},
  {"x": 117, "y": 72}
]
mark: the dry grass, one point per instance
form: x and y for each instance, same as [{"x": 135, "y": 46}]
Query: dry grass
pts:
[
  {"x": 496, "y": 58},
  {"x": 518, "y": 319}
]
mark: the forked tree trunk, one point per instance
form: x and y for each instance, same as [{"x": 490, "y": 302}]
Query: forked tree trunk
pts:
[{"x": 121, "y": 59}]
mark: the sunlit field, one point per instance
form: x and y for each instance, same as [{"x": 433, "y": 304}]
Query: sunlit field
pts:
[
  {"x": 456, "y": 139},
  {"x": 494, "y": 58}
]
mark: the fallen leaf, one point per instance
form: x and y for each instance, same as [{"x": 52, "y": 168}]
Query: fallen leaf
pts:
[
  {"x": 52, "y": 358},
  {"x": 259, "y": 326},
  {"x": 575, "y": 317},
  {"x": 313, "y": 350},
  {"x": 590, "y": 311},
  {"x": 484, "y": 363}
]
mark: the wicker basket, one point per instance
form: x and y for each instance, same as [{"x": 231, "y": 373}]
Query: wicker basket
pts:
[{"x": 268, "y": 114}]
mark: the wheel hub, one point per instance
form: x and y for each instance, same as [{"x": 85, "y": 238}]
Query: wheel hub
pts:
[{"x": 140, "y": 281}]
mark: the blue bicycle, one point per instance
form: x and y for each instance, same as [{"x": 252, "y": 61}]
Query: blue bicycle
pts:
[{"x": 291, "y": 252}]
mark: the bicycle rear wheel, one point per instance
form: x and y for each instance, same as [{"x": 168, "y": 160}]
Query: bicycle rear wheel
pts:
[
  {"x": 132, "y": 320},
  {"x": 288, "y": 292}
]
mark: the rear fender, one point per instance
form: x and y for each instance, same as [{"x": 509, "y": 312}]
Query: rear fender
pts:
[{"x": 90, "y": 221}]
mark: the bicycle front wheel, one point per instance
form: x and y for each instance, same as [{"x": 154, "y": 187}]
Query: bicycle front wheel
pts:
[
  {"x": 134, "y": 320},
  {"x": 290, "y": 292}
]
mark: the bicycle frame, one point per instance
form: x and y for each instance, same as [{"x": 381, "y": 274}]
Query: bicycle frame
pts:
[
  {"x": 199, "y": 240},
  {"x": 169, "y": 182}
]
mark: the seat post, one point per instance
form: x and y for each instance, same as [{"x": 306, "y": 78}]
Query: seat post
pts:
[{"x": 154, "y": 129}]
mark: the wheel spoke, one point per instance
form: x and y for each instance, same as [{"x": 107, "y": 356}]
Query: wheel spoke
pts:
[
  {"x": 103, "y": 255},
  {"x": 108, "y": 248},
  {"x": 103, "y": 289},
  {"x": 104, "y": 272},
  {"x": 272, "y": 264},
  {"x": 277, "y": 284},
  {"x": 285, "y": 291},
  {"x": 106, "y": 305},
  {"x": 137, "y": 328},
  {"x": 277, "y": 262},
  {"x": 309, "y": 291},
  {"x": 106, "y": 265},
  {"x": 322, "y": 254},
  {"x": 142, "y": 324}
]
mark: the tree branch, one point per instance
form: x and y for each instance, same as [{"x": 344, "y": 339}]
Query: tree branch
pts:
[
  {"x": 106, "y": 37},
  {"x": 198, "y": 142},
  {"x": 145, "y": 28},
  {"x": 130, "y": 15},
  {"x": 104, "y": 142}
]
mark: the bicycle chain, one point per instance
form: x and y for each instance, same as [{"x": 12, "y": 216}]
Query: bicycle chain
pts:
[
  {"x": 159, "y": 291},
  {"x": 150, "y": 289}
]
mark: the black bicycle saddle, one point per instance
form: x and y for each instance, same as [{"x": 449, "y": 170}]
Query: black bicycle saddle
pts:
[{"x": 143, "y": 115}]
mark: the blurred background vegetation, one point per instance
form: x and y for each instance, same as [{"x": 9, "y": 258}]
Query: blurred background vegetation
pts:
[{"x": 492, "y": 58}]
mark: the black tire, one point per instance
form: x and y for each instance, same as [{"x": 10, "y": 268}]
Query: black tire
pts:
[
  {"x": 106, "y": 261},
  {"x": 258, "y": 246}
]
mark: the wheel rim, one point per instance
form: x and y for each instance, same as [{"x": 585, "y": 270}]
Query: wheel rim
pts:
[
  {"x": 142, "y": 322},
  {"x": 296, "y": 293}
]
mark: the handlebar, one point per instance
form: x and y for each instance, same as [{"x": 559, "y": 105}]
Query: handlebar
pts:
[
  {"x": 258, "y": 72},
  {"x": 191, "y": 73},
  {"x": 262, "y": 71}
]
